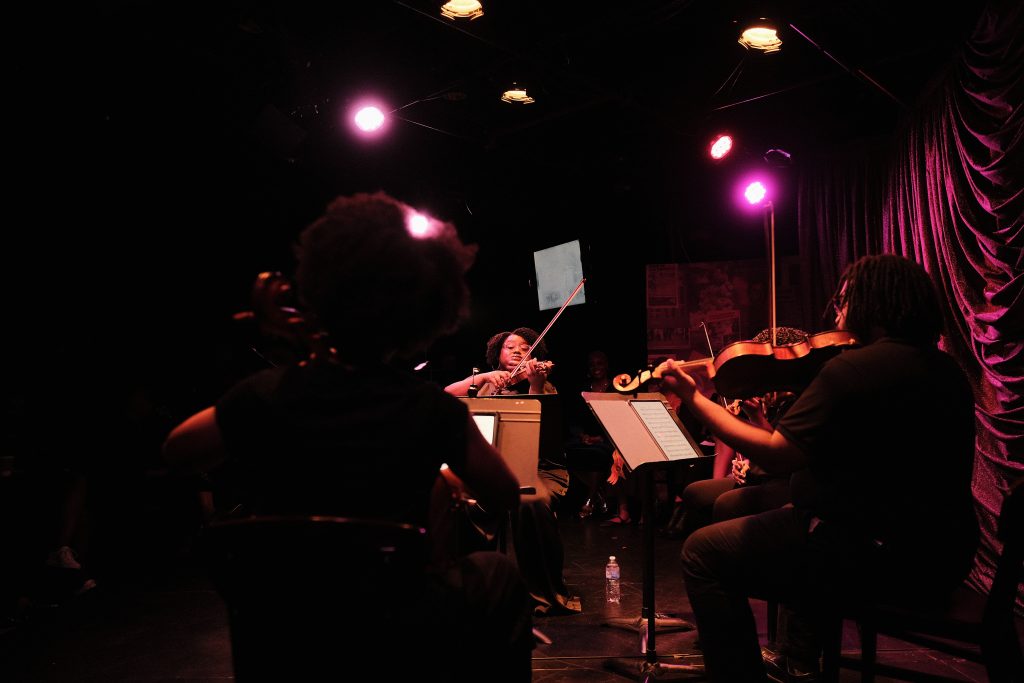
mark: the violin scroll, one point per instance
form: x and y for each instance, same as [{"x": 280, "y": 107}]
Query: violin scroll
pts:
[{"x": 624, "y": 384}]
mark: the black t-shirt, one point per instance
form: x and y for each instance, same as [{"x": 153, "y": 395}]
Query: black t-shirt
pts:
[
  {"x": 889, "y": 431},
  {"x": 323, "y": 439}
]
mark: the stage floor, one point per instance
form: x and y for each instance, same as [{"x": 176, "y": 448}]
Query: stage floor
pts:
[{"x": 163, "y": 622}]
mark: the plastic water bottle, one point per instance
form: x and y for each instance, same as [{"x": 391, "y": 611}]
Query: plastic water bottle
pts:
[{"x": 611, "y": 576}]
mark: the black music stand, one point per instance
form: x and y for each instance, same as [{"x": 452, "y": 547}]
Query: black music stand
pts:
[{"x": 647, "y": 433}]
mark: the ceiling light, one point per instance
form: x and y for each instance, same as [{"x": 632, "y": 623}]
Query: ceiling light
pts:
[
  {"x": 761, "y": 35},
  {"x": 720, "y": 146},
  {"x": 462, "y": 9},
  {"x": 516, "y": 95}
]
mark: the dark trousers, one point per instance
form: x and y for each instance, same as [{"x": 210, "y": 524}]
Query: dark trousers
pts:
[
  {"x": 715, "y": 500},
  {"x": 773, "y": 555}
]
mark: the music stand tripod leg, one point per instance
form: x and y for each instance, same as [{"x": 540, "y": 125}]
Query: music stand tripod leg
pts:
[{"x": 648, "y": 624}]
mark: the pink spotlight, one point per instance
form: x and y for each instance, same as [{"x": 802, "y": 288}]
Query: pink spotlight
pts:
[
  {"x": 755, "y": 192},
  {"x": 720, "y": 147},
  {"x": 369, "y": 119},
  {"x": 418, "y": 225}
]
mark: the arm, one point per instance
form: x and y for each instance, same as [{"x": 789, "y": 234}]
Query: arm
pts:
[
  {"x": 771, "y": 450},
  {"x": 196, "y": 444},
  {"x": 486, "y": 473},
  {"x": 461, "y": 388}
]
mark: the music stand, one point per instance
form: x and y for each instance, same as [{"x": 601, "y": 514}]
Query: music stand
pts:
[{"x": 647, "y": 433}]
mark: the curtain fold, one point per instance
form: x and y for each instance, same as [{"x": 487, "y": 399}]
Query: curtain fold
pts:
[{"x": 948, "y": 191}]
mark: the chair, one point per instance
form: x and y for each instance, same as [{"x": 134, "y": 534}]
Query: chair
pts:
[
  {"x": 969, "y": 619},
  {"x": 308, "y": 595}
]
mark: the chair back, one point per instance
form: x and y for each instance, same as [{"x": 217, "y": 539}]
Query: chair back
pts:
[{"x": 307, "y": 592}]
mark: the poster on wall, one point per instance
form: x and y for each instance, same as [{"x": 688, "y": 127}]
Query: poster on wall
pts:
[{"x": 696, "y": 309}]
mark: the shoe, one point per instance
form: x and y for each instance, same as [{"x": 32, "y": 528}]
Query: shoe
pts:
[
  {"x": 617, "y": 521},
  {"x": 782, "y": 670},
  {"x": 63, "y": 558}
]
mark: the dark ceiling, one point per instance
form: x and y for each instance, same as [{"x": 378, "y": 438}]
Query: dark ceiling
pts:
[
  {"x": 601, "y": 72},
  {"x": 203, "y": 136}
]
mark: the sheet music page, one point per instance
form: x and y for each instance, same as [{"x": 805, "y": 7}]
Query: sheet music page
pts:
[{"x": 663, "y": 428}]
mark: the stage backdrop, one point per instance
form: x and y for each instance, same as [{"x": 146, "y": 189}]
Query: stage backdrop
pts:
[{"x": 729, "y": 297}]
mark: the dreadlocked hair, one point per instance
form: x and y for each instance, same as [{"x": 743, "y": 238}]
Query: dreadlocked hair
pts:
[{"x": 893, "y": 294}]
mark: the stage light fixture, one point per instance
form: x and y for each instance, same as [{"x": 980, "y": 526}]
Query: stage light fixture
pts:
[
  {"x": 720, "y": 146},
  {"x": 462, "y": 9},
  {"x": 369, "y": 119},
  {"x": 761, "y": 35},
  {"x": 516, "y": 95}
]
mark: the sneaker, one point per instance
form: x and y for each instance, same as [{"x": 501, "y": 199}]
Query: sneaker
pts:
[
  {"x": 782, "y": 670},
  {"x": 63, "y": 558}
]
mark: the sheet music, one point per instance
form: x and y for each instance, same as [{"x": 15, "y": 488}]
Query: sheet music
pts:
[{"x": 659, "y": 423}]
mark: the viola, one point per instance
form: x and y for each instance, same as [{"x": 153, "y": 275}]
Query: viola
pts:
[{"x": 746, "y": 368}]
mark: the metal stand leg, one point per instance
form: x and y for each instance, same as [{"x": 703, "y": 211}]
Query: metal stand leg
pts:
[{"x": 650, "y": 622}]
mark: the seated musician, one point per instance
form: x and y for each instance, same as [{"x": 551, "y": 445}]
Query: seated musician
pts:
[
  {"x": 505, "y": 354},
  {"x": 738, "y": 486},
  {"x": 856, "y": 531},
  {"x": 538, "y": 545},
  {"x": 355, "y": 433}
]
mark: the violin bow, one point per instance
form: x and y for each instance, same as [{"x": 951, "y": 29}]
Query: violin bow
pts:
[
  {"x": 540, "y": 336},
  {"x": 711, "y": 350}
]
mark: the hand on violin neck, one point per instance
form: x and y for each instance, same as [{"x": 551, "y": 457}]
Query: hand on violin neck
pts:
[{"x": 676, "y": 380}]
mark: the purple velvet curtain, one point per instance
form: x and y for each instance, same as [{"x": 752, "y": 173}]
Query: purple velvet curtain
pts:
[{"x": 948, "y": 191}]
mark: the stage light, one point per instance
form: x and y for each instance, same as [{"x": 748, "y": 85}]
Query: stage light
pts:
[
  {"x": 720, "y": 147},
  {"x": 418, "y": 225},
  {"x": 369, "y": 119},
  {"x": 516, "y": 95},
  {"x": 761, "y": 35},
  {"x": 755, "y": 192},
  {"x": 462, "y": 9}
]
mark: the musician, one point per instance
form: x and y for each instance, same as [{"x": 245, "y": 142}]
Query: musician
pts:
[
  {"x": 505, "y": 354},
  {"x": 854, "y": 439},
  {"x": 539, "y": 551},
  {"x": 738, "y": 486},
  {"x": 355, "y": 433}
]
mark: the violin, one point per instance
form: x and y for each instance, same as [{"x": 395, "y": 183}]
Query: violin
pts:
[
  {"x": 519, "y": 374},
  {"x": 747, "y": 368}
]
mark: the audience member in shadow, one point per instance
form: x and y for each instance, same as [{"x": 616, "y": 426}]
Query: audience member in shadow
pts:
[
  {"x": 352, "y": 432},
  {"x": 856, "y": 531},
  {"x": 588, "y": 451},
  {"x": 538, "y": 546}
]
